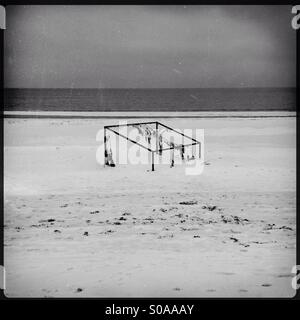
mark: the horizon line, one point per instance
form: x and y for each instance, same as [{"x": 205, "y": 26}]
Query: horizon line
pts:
[{"x": 147, "y": 88}]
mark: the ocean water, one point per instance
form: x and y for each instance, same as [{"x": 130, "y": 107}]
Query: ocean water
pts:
[{"x": 245, "y": 99}]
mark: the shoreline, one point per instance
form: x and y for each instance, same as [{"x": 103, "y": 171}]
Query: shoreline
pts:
[{"x": 150, "y": 115}]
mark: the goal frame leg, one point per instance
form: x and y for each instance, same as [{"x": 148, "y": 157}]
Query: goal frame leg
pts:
[{"x": 152, "y": 160}]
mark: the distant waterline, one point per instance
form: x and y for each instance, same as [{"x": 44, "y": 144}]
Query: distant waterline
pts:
[{"x": 152, "y": 100}]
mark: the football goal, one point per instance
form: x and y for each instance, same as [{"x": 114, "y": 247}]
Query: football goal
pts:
[{"x": 155, "y": 138}]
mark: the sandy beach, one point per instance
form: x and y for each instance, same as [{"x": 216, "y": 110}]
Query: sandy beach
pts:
[{"x": 76, "y": 229}]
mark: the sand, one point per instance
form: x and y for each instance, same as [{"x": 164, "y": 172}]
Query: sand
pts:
[{"x": 76, "y": 229}]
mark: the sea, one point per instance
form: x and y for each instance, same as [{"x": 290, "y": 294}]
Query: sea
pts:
[{"x": 152, "y": 100}]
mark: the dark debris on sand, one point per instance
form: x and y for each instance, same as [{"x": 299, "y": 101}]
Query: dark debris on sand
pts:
[
  {"x": 188, "y": 203},
  {"x": 210, "y": 207},
  {"x": 47, "y": 220},
  {"x": 238, "y": 241},
  {"x": 234, "y": 219},
  {"x": 272, "y": 226},
  {"x": 176, "y": 289},
  {"x": 234, "y": 239},
  {"x": 94, "y": 212}
]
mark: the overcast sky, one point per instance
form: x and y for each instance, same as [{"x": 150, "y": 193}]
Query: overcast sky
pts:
[{"x": 149, "y": 46}]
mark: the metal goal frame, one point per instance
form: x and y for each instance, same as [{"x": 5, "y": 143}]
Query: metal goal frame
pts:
[{"x": 157, "y": 124}]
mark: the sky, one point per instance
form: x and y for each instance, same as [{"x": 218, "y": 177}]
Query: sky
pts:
[{"x": 149, "y": 47}]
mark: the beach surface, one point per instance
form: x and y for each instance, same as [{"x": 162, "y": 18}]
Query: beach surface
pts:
[{"x": 74, "y": 228}]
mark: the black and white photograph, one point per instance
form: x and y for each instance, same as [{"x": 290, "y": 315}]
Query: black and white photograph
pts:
[{"x": 149, "y": 151}]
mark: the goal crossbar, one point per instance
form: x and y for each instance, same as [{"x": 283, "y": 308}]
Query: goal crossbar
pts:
[{"x": 121, "y": 135}]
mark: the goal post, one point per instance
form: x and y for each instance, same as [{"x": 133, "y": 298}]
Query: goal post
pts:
[{"x": 150, "y": 131}]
